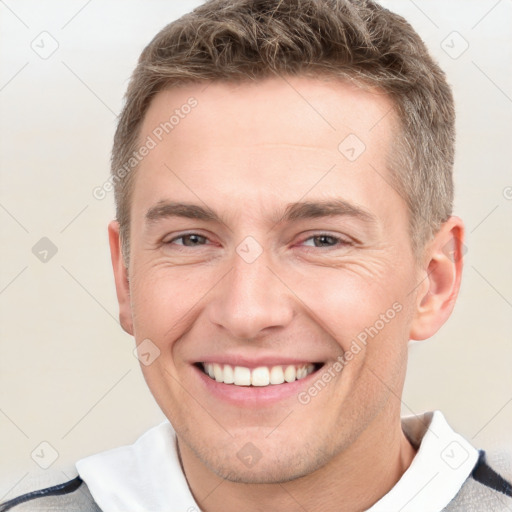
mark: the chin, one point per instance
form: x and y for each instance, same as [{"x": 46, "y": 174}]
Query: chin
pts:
[
  {"x": 270, "y": 473},
  {"x": 269, "y": 467}
]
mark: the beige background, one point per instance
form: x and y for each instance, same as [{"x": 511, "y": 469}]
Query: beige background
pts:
[{"x": 68, "y": 374}]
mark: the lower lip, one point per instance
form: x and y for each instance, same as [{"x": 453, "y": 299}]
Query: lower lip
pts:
[{"x": 254, "y": 396}]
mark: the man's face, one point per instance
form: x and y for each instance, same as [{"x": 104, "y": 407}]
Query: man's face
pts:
[{"x": 268, "y": 285}]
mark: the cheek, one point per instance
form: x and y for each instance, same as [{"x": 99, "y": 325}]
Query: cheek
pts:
[
  {"x": 163, "y": 299},
  {"x": 345, "y": 301}
]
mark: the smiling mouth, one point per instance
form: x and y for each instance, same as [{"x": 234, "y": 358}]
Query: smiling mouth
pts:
[{"x": 260, "y": 376}]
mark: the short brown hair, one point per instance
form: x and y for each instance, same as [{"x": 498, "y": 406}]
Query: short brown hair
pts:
[{"x": 237, "y": 40}]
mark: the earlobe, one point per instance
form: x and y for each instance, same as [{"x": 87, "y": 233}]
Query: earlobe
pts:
[
  {"x": 120, "y": 277},
  {"x": 442, "y": 277}
]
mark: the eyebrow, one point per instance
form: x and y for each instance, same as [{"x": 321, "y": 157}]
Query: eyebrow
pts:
[{"x": 293, "y": 212}]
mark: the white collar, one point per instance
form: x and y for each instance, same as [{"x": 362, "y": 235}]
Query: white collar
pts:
[
  {"x": 147, "y": 477},
  {"x": 441, "y": 466},
  {"x": 143, "y": 477}
]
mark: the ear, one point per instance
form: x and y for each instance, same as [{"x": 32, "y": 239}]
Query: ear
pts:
[
  {"x": 121, "y": 277},
  {"x": 442, "y": 273}
]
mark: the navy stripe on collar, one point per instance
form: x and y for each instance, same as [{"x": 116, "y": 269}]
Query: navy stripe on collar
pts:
[
  {"x": 56, "y": 490},
  {"x": 485, "y": 475}
]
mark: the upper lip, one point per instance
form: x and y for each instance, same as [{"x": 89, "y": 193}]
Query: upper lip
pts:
[{"x": 255, "y": 362}]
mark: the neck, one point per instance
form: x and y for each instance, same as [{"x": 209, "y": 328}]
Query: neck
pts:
[{"x": 357, "y": 478}]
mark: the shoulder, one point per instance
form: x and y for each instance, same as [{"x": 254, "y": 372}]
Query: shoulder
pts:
[
  {"x": 69, "y": 496},
  {"x": 489, "y": 485}
]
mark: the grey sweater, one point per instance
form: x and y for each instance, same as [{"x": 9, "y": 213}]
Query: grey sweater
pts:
[{"x": 485, "y": 490}]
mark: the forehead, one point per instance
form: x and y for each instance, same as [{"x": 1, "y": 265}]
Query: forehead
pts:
[
  {"x": 272, "y": 110},
  {"x": 271, "y": 138}
]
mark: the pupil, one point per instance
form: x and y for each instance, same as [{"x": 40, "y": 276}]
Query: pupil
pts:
[{"x": 324, "y": 239}]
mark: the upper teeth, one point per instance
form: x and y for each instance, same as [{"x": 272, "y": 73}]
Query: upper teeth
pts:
[{"x": 261, "y": 376}]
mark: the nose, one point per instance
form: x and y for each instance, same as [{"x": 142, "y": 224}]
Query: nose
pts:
[{"x": 251, "y": 299}]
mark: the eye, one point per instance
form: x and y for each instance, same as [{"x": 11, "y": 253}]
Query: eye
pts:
[
  {"x": 188, "y": 240},
  {"x": 322, "y": 240},
  {"x": 325, "y": 240}
]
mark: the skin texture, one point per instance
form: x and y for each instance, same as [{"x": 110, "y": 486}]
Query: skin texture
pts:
[{"x": 247, "y": 151}]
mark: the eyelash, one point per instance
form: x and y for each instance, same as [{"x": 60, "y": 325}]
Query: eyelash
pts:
[{"x": 339, "y": 241}]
